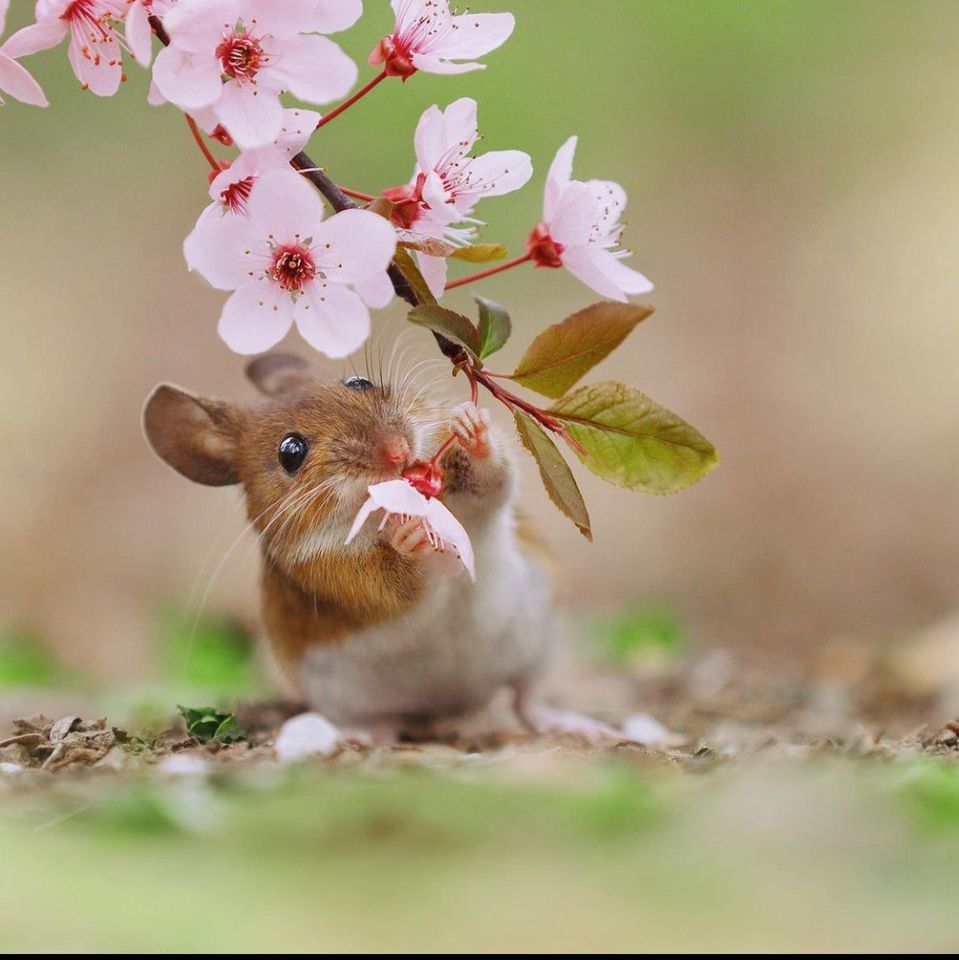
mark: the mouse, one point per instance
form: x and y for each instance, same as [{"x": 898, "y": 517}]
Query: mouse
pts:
[{"x": 376, "y": 635}]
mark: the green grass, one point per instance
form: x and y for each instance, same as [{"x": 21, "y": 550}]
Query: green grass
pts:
[
  {"x": 545, "y": 853},
  {"x": 25, "y": 662}
]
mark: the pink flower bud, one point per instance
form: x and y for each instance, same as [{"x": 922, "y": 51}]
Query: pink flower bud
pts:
[
  {"x": 220, "y": 134},
  {"x": 424, "y": 478},
  {"x": 544, "y": 250}
]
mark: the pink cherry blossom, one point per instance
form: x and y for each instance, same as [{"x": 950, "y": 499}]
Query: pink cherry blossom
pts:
[
  {"x": 137, "y": 29},
  {"x": 231, "y": 190},
  {"x": 95, "y": 51},
  {"x": 259, "y": 47},
  {"x": 581, "y": 226},
  {"x": 398, "y": 499},
  {"x": 428, "y": 37},
  {"x": 447, "y": 182},
  {"x": 286, "y": 265},
  {"x": 332, "y": 16},
  {"x": 15, "y": 79}
]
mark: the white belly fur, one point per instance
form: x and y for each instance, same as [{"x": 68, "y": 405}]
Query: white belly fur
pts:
[{"x": 451, "y": 652}]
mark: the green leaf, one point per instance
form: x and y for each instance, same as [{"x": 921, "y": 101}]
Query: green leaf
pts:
[
  {"x": 562, "y": 353},
  {"x": 494, "y": 326},
  {"x": 428, "y": 245},
  {"x": 407, "y": 266},
  {"x": 454, "y": 326},
  {"x": 381, "y": 206},
  {"x": 632, "y": 441},
  {"x": 208, "y": 723},
  {"x": 479, "y": 252},
  {"x": 554, "y": 471}
]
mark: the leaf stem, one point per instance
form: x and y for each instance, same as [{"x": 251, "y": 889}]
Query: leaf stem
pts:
[
  {"x": 483, "y": 274},
  {"x": 346, "y": 104},
  {"x": 204, "y": 149}
]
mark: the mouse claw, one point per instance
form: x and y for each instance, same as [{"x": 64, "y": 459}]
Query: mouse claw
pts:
[
  {"x": 410, "y": 539},
  {"x": 470, "y": 425}
]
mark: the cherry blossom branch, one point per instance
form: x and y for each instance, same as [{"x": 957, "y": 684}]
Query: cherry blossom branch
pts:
[
  {"x": 159, "y": 31},
  {"x": 340, "y": 200},
  {"x": 346, "y": 104}
]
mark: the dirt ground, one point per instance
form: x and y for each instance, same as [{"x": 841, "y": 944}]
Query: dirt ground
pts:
[{"x": 816, "y": 812}]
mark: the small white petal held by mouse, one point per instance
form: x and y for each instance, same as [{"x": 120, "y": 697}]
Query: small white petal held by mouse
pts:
[{"x": 374, "y": 633}]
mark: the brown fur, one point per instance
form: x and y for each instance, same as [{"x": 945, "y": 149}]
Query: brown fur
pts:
[{"x": 324, "y": 598}]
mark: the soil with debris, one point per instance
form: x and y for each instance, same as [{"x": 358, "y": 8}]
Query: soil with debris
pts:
[{"x": 696, "y": 714}]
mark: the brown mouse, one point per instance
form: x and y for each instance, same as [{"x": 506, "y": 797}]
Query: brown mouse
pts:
[{"x": 375, "y": 636}]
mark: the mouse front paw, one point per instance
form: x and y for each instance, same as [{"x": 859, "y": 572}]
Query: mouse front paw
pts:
[
  {"x": 470, "y": 425},
  {"x": 410, "y": 539}
]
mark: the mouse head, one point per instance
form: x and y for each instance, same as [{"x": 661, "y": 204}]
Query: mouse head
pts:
[{"x": 304, "y": 455}]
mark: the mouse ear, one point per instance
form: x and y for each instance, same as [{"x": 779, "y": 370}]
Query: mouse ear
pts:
[
  {"x": 278, "y": 373},
  {"x": 193, "y": 435}
]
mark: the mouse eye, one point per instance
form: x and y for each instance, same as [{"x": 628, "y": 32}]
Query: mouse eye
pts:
[
  {"x": 358, "y": 383},
  {"x": 292, "y": 452}
]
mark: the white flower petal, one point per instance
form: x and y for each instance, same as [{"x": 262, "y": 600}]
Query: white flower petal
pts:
[
  {"x": 43, "y": 35},
  {"x": 376, "y": 292},
  {"x": 332, "y": 318},
  {"x": 572, "y": 222},
  {"x": 354, "y": 245},
  {"x": 198, "y": 25},
  {"x": 626, "y": 278},
  {"x": 435, "y": 271},
  {"x": 298, "y": 127},
  {"x": 100, "y": 69},
  {"x": 139, "y": 35},
  {"x": 311, "y": 67},
  {"x": 399, "y": 496},
  {"x": 190, "y": 80},
  {"x": 451, "y": 532},
  {"x": 430, "y": 63},
  {"x": 256, "y": 317},
  {"x": 475, "y": 34},
  {"x": 217, "y": 249},
  {"x": 583, "y": 263},
  {"x": 155, "y": 98},
  {"x": 559, "y": 175},
  {"x": 16, "y": 80},
  {"x": 332, "y": 16},
  {"x": 494, "y": 174},
  {"x": 251, "y": 113},
  {"x": 393, "y": 496},
  {"x": 429, "y": 140},
  {"x": 306, "y": 735},
  {"x": 368, "y": 507},
  {"x": 285, "y": 205},
  {"x": 279, "y": 19}
]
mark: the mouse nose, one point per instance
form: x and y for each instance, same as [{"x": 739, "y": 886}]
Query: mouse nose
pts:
[{"x": 394, "y": 450}]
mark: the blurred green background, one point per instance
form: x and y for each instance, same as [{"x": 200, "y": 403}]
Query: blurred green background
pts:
[
  {"x": 791, "y": 172},
  {"x": 791, "y": 168}
]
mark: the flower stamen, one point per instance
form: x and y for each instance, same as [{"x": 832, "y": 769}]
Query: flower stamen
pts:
[{"x": 292, "y": 267}]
